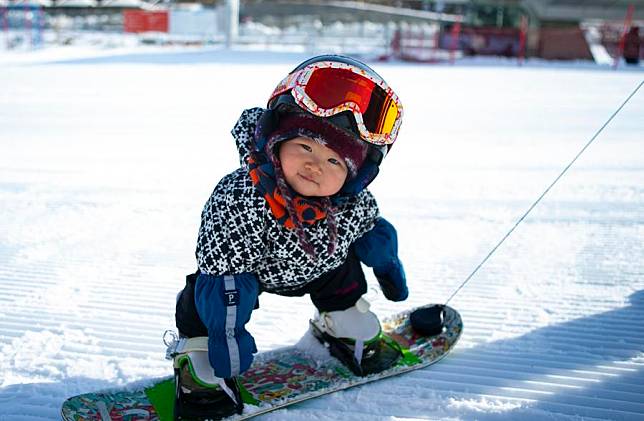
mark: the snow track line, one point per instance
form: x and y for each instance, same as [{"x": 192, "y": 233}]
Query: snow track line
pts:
[
  {"x": 125, "y": 338},
  {"x": 579, "y": 376},
  {"x": 560, "y": 345},
  {"x": 103, "y": 309},
  {"x": 134, "y": 285},
  {"x": 530, "y": 405},
  {"x": 535, "y": 385},
  {"x": 527, "y": 358},
  {"x": 563, "y": 312},
  {"x": 591, "y": 406},
  {"x": 548, "y": 368},
  {"x": 93, "y": 324}
]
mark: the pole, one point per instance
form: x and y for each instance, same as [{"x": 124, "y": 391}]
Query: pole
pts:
[
  {"x": 41, "y": 29},
  {"x": 627, "y": 24},
  {"x": 5, "y": 25},
  {"x": 522, "y": 37},
  {"x": 232, "y": 7},
  {"x": 454, "y": 35},
  {"x": 29, "y": 24}
]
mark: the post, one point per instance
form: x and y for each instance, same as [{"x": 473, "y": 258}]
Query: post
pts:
[
  {"x": 396, "y": 42},
  {"x": 523, "y": 30},
  {"x": 499, "y": 16},
  {"x": 232, "y": 8},
  {"x": 455, "y": 35},
  {"x": 29, "y": 24},
  {"x": 41, "y": 26},
  {"x": 4, "y": 11},
  {"x": 627, "y": 24}
]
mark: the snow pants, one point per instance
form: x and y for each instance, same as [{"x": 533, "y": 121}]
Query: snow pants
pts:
[
  {"x": 204, "y": 309},
  {"x": 336, "y": 290}
]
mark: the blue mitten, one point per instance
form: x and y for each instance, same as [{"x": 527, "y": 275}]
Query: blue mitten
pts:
[
  {"x": 393, "y": 281},
  {"x": 378, "y": 249},
  {"x": 224, "y": 304}
]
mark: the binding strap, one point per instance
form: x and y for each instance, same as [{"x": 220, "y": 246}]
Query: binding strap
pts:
[{"x": 194, "y": 352}]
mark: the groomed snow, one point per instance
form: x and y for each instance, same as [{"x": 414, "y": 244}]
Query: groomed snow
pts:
[{"x": 107, "y": 158}]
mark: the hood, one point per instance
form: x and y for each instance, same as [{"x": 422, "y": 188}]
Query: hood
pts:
[
  {"x": 244, "y": 133},
  {"x": 251, "y": 133}
]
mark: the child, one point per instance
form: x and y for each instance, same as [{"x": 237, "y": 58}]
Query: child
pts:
[{"x": 295, "y": 219}]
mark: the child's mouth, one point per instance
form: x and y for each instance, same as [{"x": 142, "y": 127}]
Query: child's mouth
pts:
[{"x": 310, "y": 180}]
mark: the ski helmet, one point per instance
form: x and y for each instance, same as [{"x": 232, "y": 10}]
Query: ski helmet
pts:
[{"x": 346, "y": 93}]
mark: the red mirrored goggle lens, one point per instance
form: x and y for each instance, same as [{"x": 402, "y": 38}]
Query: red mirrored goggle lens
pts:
[{"x": 331, "y": 87}]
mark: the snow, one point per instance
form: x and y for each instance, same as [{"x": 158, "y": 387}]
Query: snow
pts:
[{"x": 109, "y": 154}]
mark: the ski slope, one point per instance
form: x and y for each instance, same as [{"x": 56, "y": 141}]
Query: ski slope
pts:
[{"x": 106, "y": 159}]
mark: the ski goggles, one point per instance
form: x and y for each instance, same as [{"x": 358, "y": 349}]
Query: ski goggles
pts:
[{"x": 329, "y": 88}]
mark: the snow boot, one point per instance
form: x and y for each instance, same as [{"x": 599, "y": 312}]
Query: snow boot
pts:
[
  {"x": 354, "y": 336},
  {"x": 199, "y": 394}
]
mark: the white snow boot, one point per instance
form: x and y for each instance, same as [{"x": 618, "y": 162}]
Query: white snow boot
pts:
[
  {"x": 354, "y": 336},
  {"x": 199, "y": 394}
]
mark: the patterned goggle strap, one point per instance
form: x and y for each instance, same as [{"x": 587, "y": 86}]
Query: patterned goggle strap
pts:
[{"x": 328, "y": 88}]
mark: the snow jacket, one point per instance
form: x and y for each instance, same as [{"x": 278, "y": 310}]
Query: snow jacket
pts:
[
  {"x": 239, "y": 233},
  {"x": 243, "y": 249}
]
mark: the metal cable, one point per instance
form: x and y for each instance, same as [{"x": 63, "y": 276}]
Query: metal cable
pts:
[{"x": 536, "y": 202}]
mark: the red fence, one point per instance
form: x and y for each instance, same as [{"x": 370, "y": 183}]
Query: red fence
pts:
[
  {"x": 484, "y": 41},
  {"x": 566, "y": 43},
  {"x": 442, "y": 44}
]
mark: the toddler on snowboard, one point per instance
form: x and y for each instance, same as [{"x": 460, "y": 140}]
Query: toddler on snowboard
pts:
[{"x": 294, "y": 219}]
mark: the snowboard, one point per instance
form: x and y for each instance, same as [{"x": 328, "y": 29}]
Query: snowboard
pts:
[{"x": 276, "y": 379}]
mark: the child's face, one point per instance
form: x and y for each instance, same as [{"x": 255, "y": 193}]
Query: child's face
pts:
[{"x": 312, "y": 169}]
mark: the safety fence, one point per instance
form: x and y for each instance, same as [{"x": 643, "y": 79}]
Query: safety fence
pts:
[{"x": 25, "y": 24}]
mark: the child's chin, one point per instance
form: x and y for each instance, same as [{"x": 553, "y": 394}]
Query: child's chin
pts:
[
  {"x": 307, "y": 193},
  {"x": 310, "y": 191}
]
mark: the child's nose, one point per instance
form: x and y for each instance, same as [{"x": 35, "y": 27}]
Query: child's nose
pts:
[{"x": 313, "y": 166}]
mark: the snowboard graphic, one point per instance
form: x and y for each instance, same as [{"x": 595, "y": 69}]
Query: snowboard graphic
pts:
[{"x": 276, "y": 379}]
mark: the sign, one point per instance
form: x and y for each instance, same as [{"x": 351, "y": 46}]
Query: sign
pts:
[{"x": 143, "y": 21}]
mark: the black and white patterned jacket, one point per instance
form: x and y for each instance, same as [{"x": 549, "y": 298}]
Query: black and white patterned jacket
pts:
[{"x": 239, "y": 234}]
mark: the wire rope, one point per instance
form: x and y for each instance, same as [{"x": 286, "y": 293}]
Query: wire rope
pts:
[{"x": 536, "y": 202}]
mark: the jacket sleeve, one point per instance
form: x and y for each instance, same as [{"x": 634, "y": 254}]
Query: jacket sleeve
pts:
[
  {"x": 224, "y": 304},
  {"x": 231, "y": 236}
]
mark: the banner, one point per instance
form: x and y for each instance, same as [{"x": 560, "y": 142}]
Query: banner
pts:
[{"x": 144, "y": 21}]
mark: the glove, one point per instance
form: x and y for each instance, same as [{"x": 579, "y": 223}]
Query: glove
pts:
[
  {"x": 224, "y": 304},
  {"x": 378, "y": 249},
  {"x": 392, "y": 281}
]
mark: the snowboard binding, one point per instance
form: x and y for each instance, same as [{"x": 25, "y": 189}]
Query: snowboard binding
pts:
[
  {"x": 354, "y": 337},
  {"x": 378, "y": 354},
  {"x": 199, "y": 395},
  {"x": 429, "y": 320},
  {"x": 194, "y": 401}
]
